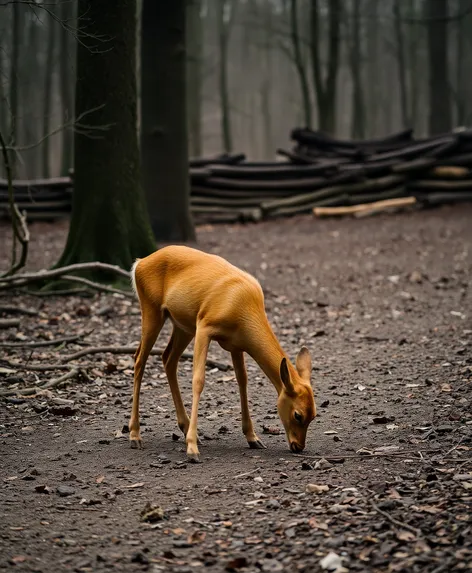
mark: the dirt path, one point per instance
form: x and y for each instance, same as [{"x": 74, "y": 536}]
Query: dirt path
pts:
[{"x": 384, "y": 305}]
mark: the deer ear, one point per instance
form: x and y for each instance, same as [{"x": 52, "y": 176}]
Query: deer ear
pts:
[
  {"x": 285, "y": 376},
  {"x": 303, "y": 363}
]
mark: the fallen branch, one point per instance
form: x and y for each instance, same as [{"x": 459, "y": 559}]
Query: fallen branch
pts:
[
  {"x": 97, "y": 286},
  {"x": 35, "y": 367},
  {"x": 376, "y": 206},
  {"x": 25, "y": 278},
  {"x": 35, "y": 389},
  {"x": 42, "y": 343},
  {"x": 18, "y": 310},
  {"x": 132, "y": 350},
  {"x": 397, "y": 522},
  {"x": 9, "y": 322}
]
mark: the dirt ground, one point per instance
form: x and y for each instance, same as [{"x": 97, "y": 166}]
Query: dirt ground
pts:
[{"x": 384, "y": 304}]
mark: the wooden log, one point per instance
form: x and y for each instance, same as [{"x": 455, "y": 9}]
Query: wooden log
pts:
[
  {"x": 376, "y": 206},
  {"x": 418, "y": 149},
  {"x": 462, "y": 159},
  {"x": 43, "y": 206},
  {"x": 440, "y": 198},
  {"x": 225, "y": 202},
  {"x": 30, "y": 184},
  {"x": 306, "y": 208},
  {"x": 273, "y": 172},
  {"x": 223, "y": 158},
  {"x": 442, "y": 185},
  {"x": 370, "y": 185},
  {"x": 309, "y": 136},
  {"x": 396, "y": 192},
  {"x": 201, "y": 191},
  {"x": 450, "y": 172}
]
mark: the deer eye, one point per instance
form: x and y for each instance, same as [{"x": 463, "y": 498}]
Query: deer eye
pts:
[{"x": 298, "y": 417}]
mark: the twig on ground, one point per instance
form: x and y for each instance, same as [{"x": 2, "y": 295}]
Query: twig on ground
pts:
[
  {"x": 367, "y": 456},
  {"x": 35, "y": 367},
  {"x": 97, "y": 286},
  {"x": 9, "y": 322},
  {"x": 132, "y": 350},
  {"x": 396, "y": 522},
  {"x": 47, "y": 386},
  {"x": 247, "y": 473},
  {"x": 59, "y": 292},
  {"x": 7, "y": 309},
  {"x": 42, "y": 343},
  {"x": 25, "y": 278}
]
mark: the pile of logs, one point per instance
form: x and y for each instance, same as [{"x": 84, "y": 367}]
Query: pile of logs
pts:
[{"x": 317, "y": 174}]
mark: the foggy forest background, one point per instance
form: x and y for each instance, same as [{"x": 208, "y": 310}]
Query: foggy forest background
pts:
[{"x": 257, "y": 69}]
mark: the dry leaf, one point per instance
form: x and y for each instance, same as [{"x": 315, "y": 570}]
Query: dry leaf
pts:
[
  {"x": 406, "y": 536},
  {"x": 315, "y": 524},
  {"x": 100, "y": 479},
  {"x": 139, "y": 484}
]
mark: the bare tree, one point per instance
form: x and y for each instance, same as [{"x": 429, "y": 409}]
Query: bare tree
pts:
[
  {"x": 224, "y": 21},
  {"x": 66, "y": 77},
  {"x": 109, "y": 221},
  {"x": 355, "y": 59},
  {"x": 326, "y": 90},
  {"x": 164, "y": 128},
  {"x": 401, "y": 63},
  {"x": 299, "y": 63},
  {"x": 47, "y": 101},
  {"x": 440, "y": 110},
  {"x": 194, "y": 74}
]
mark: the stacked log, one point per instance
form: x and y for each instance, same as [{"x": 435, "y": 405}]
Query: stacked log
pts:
[{"x": 319, "y": 171}]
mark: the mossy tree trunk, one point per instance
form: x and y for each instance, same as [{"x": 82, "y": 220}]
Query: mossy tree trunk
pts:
[
  {"x": 109, "y": 220},
  {"x": 164, "y": 129}
]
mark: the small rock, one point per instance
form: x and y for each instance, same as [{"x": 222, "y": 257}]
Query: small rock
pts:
[
  {"x": 314, "y": 488},
  {"x": 258, "y": 479},
  {"x": 323, "y": 464},
  {"x": 65, "y": 490},
  {"x": 236, "y": 564},
  {"x": 152, "y": 513},
  {"x": 383, "y": 419},
  {"x": 139, "y": 558},
  {"x": 333, "y": 562},
  {"x": 42, "y": 489},
  {"x": 175, "y": 437}
]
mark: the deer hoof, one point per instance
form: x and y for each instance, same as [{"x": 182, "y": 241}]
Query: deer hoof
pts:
[
  {"x": 136, "y": 444},
  {"x": 257, "y": 445},
  {"x": 194, "y": 458}
]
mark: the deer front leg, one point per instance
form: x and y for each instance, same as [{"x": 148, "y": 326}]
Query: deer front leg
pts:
[
  {"x": 202, "y": 342},
  {"x": 241, "y": 376}
]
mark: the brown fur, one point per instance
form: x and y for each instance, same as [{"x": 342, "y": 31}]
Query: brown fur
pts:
[{"x": 207, "y": 298}]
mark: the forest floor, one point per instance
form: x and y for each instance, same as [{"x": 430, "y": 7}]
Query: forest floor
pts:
[{"x": 385, "y": 306}]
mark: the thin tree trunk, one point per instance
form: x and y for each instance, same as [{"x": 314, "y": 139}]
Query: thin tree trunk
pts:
[
  {"x": 440, "y": 112},
  {"x": 401, "y": 65},
  {"x": 326, "y": 91},
  {"x": 299, "y": 64},
  {"x": 14, "y": 69},
  {"x": 414, "y": 35},
  {"x": 461, "y": 72},
  {"x": 373, "y": 67},
  {"x": 164, "y": 127},
  {"x": 48, "y": 86},
  {"x": 66, "y": 86},
  {"x": 194, "y": 74},
  {"x": 109, "y": 222},
  {"x": 223, "y": 39},
  {"x": 358, "y": 107}
]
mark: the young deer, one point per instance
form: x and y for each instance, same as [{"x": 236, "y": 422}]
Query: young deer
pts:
[{"x": 207, "y": 298}]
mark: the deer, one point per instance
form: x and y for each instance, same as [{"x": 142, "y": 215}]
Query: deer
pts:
[{"x": 207, "y": 298}]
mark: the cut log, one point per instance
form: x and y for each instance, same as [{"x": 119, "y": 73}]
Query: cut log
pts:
[
  {"x": 444, "y": 198},
  {"x": 461, "y": 185},
  {"x": 432, "y": 147},
  {"x": 370, "y": 185},
  {"x": 451, "y": 172},
  {"x": 376, "y": 206},
  {"x": 53, "y": 183},
  {"x": 308, "y": 136}
]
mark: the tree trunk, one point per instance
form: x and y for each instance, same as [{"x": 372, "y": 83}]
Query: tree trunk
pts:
[
  {"x": 109, "y": 221},
  {"x": 358, "y": 108},
  {"x": 48, "y": 84},
  {"x": 223, "y": 37},
  {"x": 14, "y": 69},
  {"x": 373, "y": 66},
  {"x": 414, "y": 38},
  {"x": 194, "y": 75},
  {"x": 67, "y": 13},
  {"x": 164, "y": 129},
  {"x": 299, "y": 65},
  {"x": 326, "y": 91},
  {"x": 440, "y": 118},
  {"x": 401, "y": 65}
]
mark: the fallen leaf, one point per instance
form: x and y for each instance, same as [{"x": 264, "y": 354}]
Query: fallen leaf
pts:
[
  {"x": 314, "y": 488},
  {"x": 406, "y": 536},
  {"x": 100, "y": 479},
  {"x": 135, "y": 485},
  {"x": 152, "y": 513},
  {"x": 196, "y": 537},
  {"x": 315, "y": 524}
]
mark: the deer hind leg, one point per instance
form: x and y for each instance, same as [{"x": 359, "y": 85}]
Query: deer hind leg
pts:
[
  {"x": 241, "y": 376},
  {"x": 177, "y": 344},
  {"x": 152, "y": 321},
  {"x": 200, "y": 351}
]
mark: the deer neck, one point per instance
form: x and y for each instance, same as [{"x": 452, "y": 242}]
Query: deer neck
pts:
[{"x": 262, "y": 345}]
